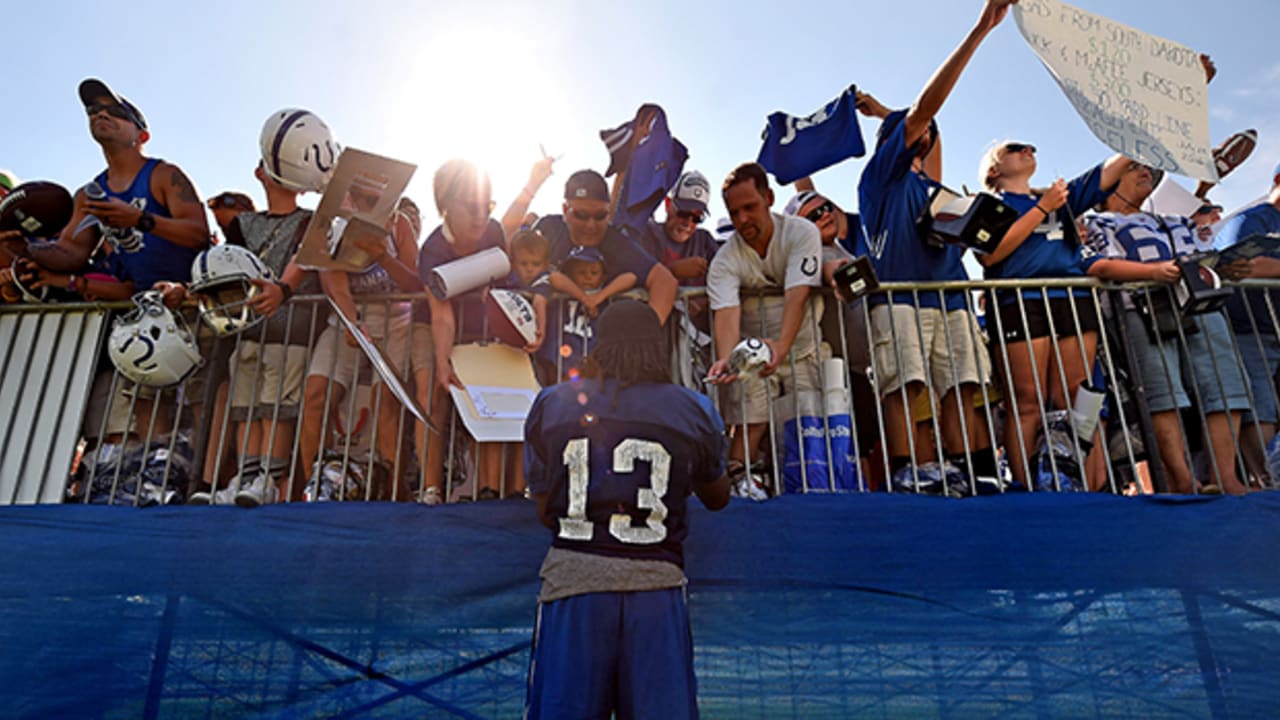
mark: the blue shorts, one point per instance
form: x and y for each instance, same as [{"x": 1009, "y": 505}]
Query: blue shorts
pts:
[
  {"x": 1212, "y": 367},
  {"x": 1260, "y": 364},
  {"x": 627, "y": 652}
]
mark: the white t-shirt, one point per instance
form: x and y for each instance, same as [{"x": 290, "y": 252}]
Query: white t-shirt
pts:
[{"x": 793, "y": 259}]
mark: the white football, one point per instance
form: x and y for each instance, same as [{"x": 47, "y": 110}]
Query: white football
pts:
[{"x": 511, "y": 317}]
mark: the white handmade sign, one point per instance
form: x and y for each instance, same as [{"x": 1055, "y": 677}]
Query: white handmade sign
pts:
[{"x": 1142, "y": 96}]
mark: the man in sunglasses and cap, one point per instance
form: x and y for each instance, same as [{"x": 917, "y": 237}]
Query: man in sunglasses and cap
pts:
[
  {"x": 147, "y": 208},
  {"x": 585, "y": 222}
]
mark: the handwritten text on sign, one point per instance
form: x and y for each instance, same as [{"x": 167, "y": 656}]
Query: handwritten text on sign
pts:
[{"x": 1141, "y": 95}]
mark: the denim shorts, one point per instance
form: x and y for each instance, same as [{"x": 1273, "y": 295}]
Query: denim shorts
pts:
[
  {"x": 1260, "y": 365},
  {"x": 1212, "y": 366}
]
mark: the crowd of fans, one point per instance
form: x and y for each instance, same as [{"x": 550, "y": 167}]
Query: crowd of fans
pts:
[{"x": 954, "y": 392}]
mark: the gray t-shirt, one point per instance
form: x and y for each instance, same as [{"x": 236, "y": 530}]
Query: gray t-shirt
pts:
[{"x": 275, "y": 239}]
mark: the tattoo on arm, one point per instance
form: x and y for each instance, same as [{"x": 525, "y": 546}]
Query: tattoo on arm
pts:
[{"x": 186, "y": 193}]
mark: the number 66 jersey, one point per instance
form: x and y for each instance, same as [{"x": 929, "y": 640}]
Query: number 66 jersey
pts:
[{"x": 615, "y": 465}]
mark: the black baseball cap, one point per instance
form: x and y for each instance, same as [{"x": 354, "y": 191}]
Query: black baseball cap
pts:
[
  {"x": 586, "y": 185},
  {"x": 92, "y": 88}
]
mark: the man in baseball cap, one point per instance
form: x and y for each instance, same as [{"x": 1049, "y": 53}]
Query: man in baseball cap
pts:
[
  {"x": 97, "y": 96},
  {"x": 585, "y": 222}
]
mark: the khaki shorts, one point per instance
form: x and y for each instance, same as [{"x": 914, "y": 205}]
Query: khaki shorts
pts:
[
  {"x": 955, "y": 345},
  {"x": 759, "y": 393},
  {"x": 116, "y": 407},
  {"x": 262, "y": 375},
  {"x": 334, "y": 358}
]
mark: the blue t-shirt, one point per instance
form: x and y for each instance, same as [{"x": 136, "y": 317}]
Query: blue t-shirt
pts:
[
  {"x": 621, "y": 255},
  {"x": 796, "y": 147},
  {"x": 617, "y": 464},
  {"x": 855, "y": 241},
  {"x": 1264, "y": 218},
  {"x": 571, "y": 331},
  {"x": 891, "y": 197},
  {"x": 1054, "y": 249},
  {"x": 654, "y": 241},
  {"x": 147, "y": 258},
  {"x": 468, "y": 308}
]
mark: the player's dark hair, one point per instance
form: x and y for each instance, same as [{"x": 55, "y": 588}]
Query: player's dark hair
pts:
[
  {"x": 629, "y": 363},
  {"x": 747, "y": 172}
]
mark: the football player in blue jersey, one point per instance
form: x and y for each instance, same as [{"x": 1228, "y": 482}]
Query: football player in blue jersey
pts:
[{"x": 611, "y": 460}]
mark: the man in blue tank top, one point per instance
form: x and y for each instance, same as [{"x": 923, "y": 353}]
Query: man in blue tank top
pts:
[
  {"x": 611, "y": 460},
  {"x": 147, "y": 208}
]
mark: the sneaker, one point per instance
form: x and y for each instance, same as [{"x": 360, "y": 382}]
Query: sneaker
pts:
[
  {"x": 262, "y": 491},
  {"x": 431, "y": 496},
  {"x": 225, "y": 496},
  {"x": 927, "y": 479},
  {"x": 753, "y": 486}
]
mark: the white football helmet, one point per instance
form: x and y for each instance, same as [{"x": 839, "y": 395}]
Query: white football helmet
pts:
[
  {"x": 220, "y": 280},
  {"x": 298, "y": 151},
  {"x": 749, "y": 357},
  {"x": 152, "y": 346}
]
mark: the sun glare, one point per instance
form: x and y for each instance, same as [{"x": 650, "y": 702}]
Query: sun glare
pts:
[{"x": 482, "y": 96}]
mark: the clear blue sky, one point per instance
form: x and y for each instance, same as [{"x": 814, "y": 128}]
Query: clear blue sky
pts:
[{"x": 427, "y": 81}]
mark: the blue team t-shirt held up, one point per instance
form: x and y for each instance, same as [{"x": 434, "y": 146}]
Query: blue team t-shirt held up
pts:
[
  {"x": 1054, "y": 249},
  {"x": 891, "y": 196}
]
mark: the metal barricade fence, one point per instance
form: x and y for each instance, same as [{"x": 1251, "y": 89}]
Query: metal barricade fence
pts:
[{"x": 1170, "y": 419}]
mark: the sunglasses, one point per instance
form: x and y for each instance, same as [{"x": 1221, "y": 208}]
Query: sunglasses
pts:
[
  {"x": 582, "y": 216},
  {"x": 1019, "y": 147},
  {"x": 112, "y": 109},
  {"x": 693, "y": 215},
  {"x": 815, "y": 214},
  {"x": 226, "y": 201}
]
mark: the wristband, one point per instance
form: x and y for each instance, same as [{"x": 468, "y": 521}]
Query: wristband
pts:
[
  {"x": 1046, "y": 212},
  {"x": 284, "y": 288}
]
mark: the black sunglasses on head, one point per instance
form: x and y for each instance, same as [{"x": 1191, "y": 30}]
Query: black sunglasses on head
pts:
[
  {"x": 1019, "y": 147},
  {"x": 815, "y": 214}
]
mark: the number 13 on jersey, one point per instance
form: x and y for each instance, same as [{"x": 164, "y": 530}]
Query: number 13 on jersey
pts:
[{"x": 577, "y": 458}]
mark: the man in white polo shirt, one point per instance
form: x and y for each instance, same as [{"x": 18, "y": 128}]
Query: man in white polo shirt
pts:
[{"x": 767, "y": 251}]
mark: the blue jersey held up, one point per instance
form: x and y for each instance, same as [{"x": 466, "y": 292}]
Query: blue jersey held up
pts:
[{"x": 797, "y": 147}]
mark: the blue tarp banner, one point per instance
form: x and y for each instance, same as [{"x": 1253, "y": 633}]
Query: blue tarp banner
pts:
[{"x": 854, "y": 605}]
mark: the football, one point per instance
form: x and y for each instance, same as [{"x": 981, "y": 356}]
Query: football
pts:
[
  {"x": 1233, "y": 151},
  {"x": 749, "y": 357},
  {"x": 511, "y": 318},
  {"x": 36, "y": 209}
]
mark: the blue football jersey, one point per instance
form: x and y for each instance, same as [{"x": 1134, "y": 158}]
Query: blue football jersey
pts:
[
  {"x": 146, "y": 257},
  {"x": 797, "y": 147},
  {"x": 891, "y": 197},
  {"x": 617, "y": 464}
]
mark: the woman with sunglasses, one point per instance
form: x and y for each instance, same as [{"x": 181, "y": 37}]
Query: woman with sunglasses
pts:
[
  {"x": 1049, "y": 336},
  {"x": 463, "y": 195}
]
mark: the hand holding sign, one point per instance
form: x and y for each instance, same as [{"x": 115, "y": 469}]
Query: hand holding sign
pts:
[{"x": 1143, "y": 96}]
